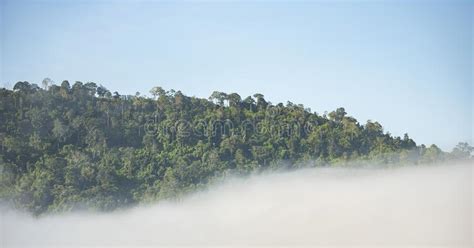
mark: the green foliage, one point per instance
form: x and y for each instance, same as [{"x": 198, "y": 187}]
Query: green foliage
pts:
[{"x": 68, "y": 147}]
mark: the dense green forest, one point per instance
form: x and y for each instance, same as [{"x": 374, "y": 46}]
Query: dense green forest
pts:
[{"x": 79, "y": 146}]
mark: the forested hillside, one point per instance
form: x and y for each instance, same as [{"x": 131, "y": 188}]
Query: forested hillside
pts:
[{"x": 81, "y": 146}]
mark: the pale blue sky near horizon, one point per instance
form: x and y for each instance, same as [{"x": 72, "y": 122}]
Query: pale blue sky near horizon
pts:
[{"x": 405, "y": 64}]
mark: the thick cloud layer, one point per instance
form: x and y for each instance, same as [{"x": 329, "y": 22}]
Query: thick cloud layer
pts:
[{"x": 420, "y": 206}]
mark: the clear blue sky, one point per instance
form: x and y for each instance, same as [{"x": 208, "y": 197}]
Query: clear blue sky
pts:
[{"x": 406, "y": 65}]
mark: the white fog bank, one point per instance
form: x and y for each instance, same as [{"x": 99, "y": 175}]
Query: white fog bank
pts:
[{"x": 405, "y": 207}]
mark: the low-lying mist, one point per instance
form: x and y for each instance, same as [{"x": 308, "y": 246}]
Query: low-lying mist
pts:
[{"x": 410, "y": 206}]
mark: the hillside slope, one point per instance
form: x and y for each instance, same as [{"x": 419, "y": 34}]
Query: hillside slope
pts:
[{"x": 82, "y": 146}]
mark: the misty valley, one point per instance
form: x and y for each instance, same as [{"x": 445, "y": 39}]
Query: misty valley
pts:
[
  {"x": 236, "y": 124},
  {"x": 84, "y": 167},
  {"x": 328, "y": 207}
]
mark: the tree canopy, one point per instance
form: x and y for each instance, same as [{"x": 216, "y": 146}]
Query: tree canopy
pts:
[{"x": 68, "y": 147}]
